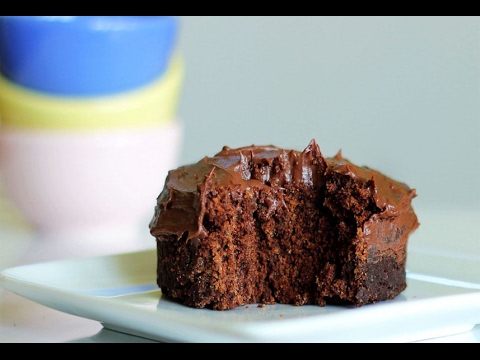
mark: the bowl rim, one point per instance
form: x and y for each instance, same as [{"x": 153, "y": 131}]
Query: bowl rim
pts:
[{"x": 96, "y": 23}]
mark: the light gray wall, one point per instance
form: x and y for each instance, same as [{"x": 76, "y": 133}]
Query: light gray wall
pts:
[{"x": 400, "y": 94}]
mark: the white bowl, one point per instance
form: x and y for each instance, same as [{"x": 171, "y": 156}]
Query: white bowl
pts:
[{"x": 72, "y": 182}]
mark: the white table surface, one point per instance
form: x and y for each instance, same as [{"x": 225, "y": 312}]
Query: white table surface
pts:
[{"x": 24, "y": 321}]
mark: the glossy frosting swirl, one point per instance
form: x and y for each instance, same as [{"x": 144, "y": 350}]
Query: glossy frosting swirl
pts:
[{"x": 181, "y": 204}]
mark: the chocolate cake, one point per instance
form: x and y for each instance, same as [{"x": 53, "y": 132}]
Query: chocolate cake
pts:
[{"x": 261, "y": 224}]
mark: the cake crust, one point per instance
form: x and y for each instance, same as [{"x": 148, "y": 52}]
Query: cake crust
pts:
[{"x": 261, "y": 224}]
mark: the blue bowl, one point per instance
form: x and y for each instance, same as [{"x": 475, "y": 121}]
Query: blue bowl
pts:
[{"x": 86, "y": 55}]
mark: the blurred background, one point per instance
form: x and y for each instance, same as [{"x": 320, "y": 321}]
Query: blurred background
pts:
[{"x": 400, "y": 94}]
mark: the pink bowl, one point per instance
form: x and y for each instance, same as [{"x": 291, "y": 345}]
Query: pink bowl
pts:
[{"x": 67, "y": 182}]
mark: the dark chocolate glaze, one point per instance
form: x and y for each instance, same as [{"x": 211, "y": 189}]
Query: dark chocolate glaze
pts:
[{"x": 180, "y": 206}]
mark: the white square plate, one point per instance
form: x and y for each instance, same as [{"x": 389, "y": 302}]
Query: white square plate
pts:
[{"x": 442, "y": 298}]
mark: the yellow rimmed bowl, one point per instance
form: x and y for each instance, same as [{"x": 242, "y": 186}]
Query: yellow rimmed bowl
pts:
[{"x": 155, "y": 103}]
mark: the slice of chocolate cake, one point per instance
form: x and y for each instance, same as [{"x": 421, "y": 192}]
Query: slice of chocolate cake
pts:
[{"x": 261, "y": 224}]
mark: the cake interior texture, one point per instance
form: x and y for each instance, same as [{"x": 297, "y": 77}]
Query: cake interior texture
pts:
[{"x": 261, "y": 224}]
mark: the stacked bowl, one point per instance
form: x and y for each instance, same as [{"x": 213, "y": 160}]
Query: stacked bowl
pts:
[{"x": 88, "y": 118}]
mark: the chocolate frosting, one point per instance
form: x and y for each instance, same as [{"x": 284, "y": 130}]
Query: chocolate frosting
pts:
[{"x": 181, "y": 205}]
